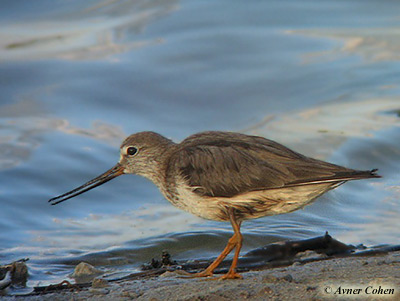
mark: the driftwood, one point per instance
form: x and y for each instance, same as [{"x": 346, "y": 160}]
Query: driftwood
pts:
[{"x": 270, "y": 256}]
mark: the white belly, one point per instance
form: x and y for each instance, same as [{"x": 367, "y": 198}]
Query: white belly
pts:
[{"x": 249, "y": 205}]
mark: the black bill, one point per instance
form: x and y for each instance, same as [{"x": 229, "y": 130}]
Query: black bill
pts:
[{"x": 110, "y": 174}]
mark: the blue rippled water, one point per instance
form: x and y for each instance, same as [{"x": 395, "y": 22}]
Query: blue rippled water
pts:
[{"x": 77, "y": 77}]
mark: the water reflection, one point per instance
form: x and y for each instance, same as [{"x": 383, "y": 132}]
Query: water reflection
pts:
[
  {"x": 379, "y": 222},
  {"x": 100, "y": 231},
  {"x": 96, "y": 32},
  {"x": 372, "y": 44},
  {"x": 23, "y": 125},
  {"x": 321, "y": 130}
]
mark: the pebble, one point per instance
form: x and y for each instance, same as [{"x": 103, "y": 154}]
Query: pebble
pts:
[{"x": 84, "y": 269}]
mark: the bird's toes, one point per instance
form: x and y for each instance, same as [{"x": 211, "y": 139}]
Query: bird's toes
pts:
[
  {"x": 185, "y": 274},
  {"x": 231, "y": 275}
]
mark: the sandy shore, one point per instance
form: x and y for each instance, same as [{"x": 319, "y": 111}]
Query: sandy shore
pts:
[{"x": 363, "y": 278}]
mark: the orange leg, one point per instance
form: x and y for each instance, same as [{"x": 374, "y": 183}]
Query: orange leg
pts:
[
  {"x": 234, "y": 242},
  {"x": 239, "y": 240}
]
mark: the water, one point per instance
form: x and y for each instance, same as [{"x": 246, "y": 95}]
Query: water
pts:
[{"x": 77, "y": 77}]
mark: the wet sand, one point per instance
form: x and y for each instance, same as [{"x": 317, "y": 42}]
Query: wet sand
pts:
[{"x": 372, "y": 278}]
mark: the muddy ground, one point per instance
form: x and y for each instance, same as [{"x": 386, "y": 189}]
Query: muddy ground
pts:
[{"x": 374, "y": 278}]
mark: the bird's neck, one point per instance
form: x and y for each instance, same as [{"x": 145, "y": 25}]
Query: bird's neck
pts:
[{"x": 156, "y": 166}]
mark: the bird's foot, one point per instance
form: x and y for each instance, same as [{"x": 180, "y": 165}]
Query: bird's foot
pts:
[
  {"x": 231, "y": 275},
  {"x": 204, "y": 273}
]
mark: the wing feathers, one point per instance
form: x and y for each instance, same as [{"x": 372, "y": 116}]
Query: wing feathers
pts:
[{"x": 220, "y": 164}]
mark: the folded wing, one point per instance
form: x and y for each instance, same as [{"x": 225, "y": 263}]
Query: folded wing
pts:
[{"x": 229, "y": 164}]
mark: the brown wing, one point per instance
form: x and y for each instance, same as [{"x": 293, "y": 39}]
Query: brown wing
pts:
[{"x": 227, "y": 164}]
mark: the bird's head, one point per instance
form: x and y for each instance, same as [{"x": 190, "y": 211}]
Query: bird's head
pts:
[{"x": 141, "y": 153}]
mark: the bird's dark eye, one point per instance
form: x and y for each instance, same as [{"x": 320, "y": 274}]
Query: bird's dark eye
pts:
[{"x": 131, "y": 150}]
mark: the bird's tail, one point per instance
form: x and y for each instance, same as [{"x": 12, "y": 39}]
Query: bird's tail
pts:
[{"x": 338, "y": 177}]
